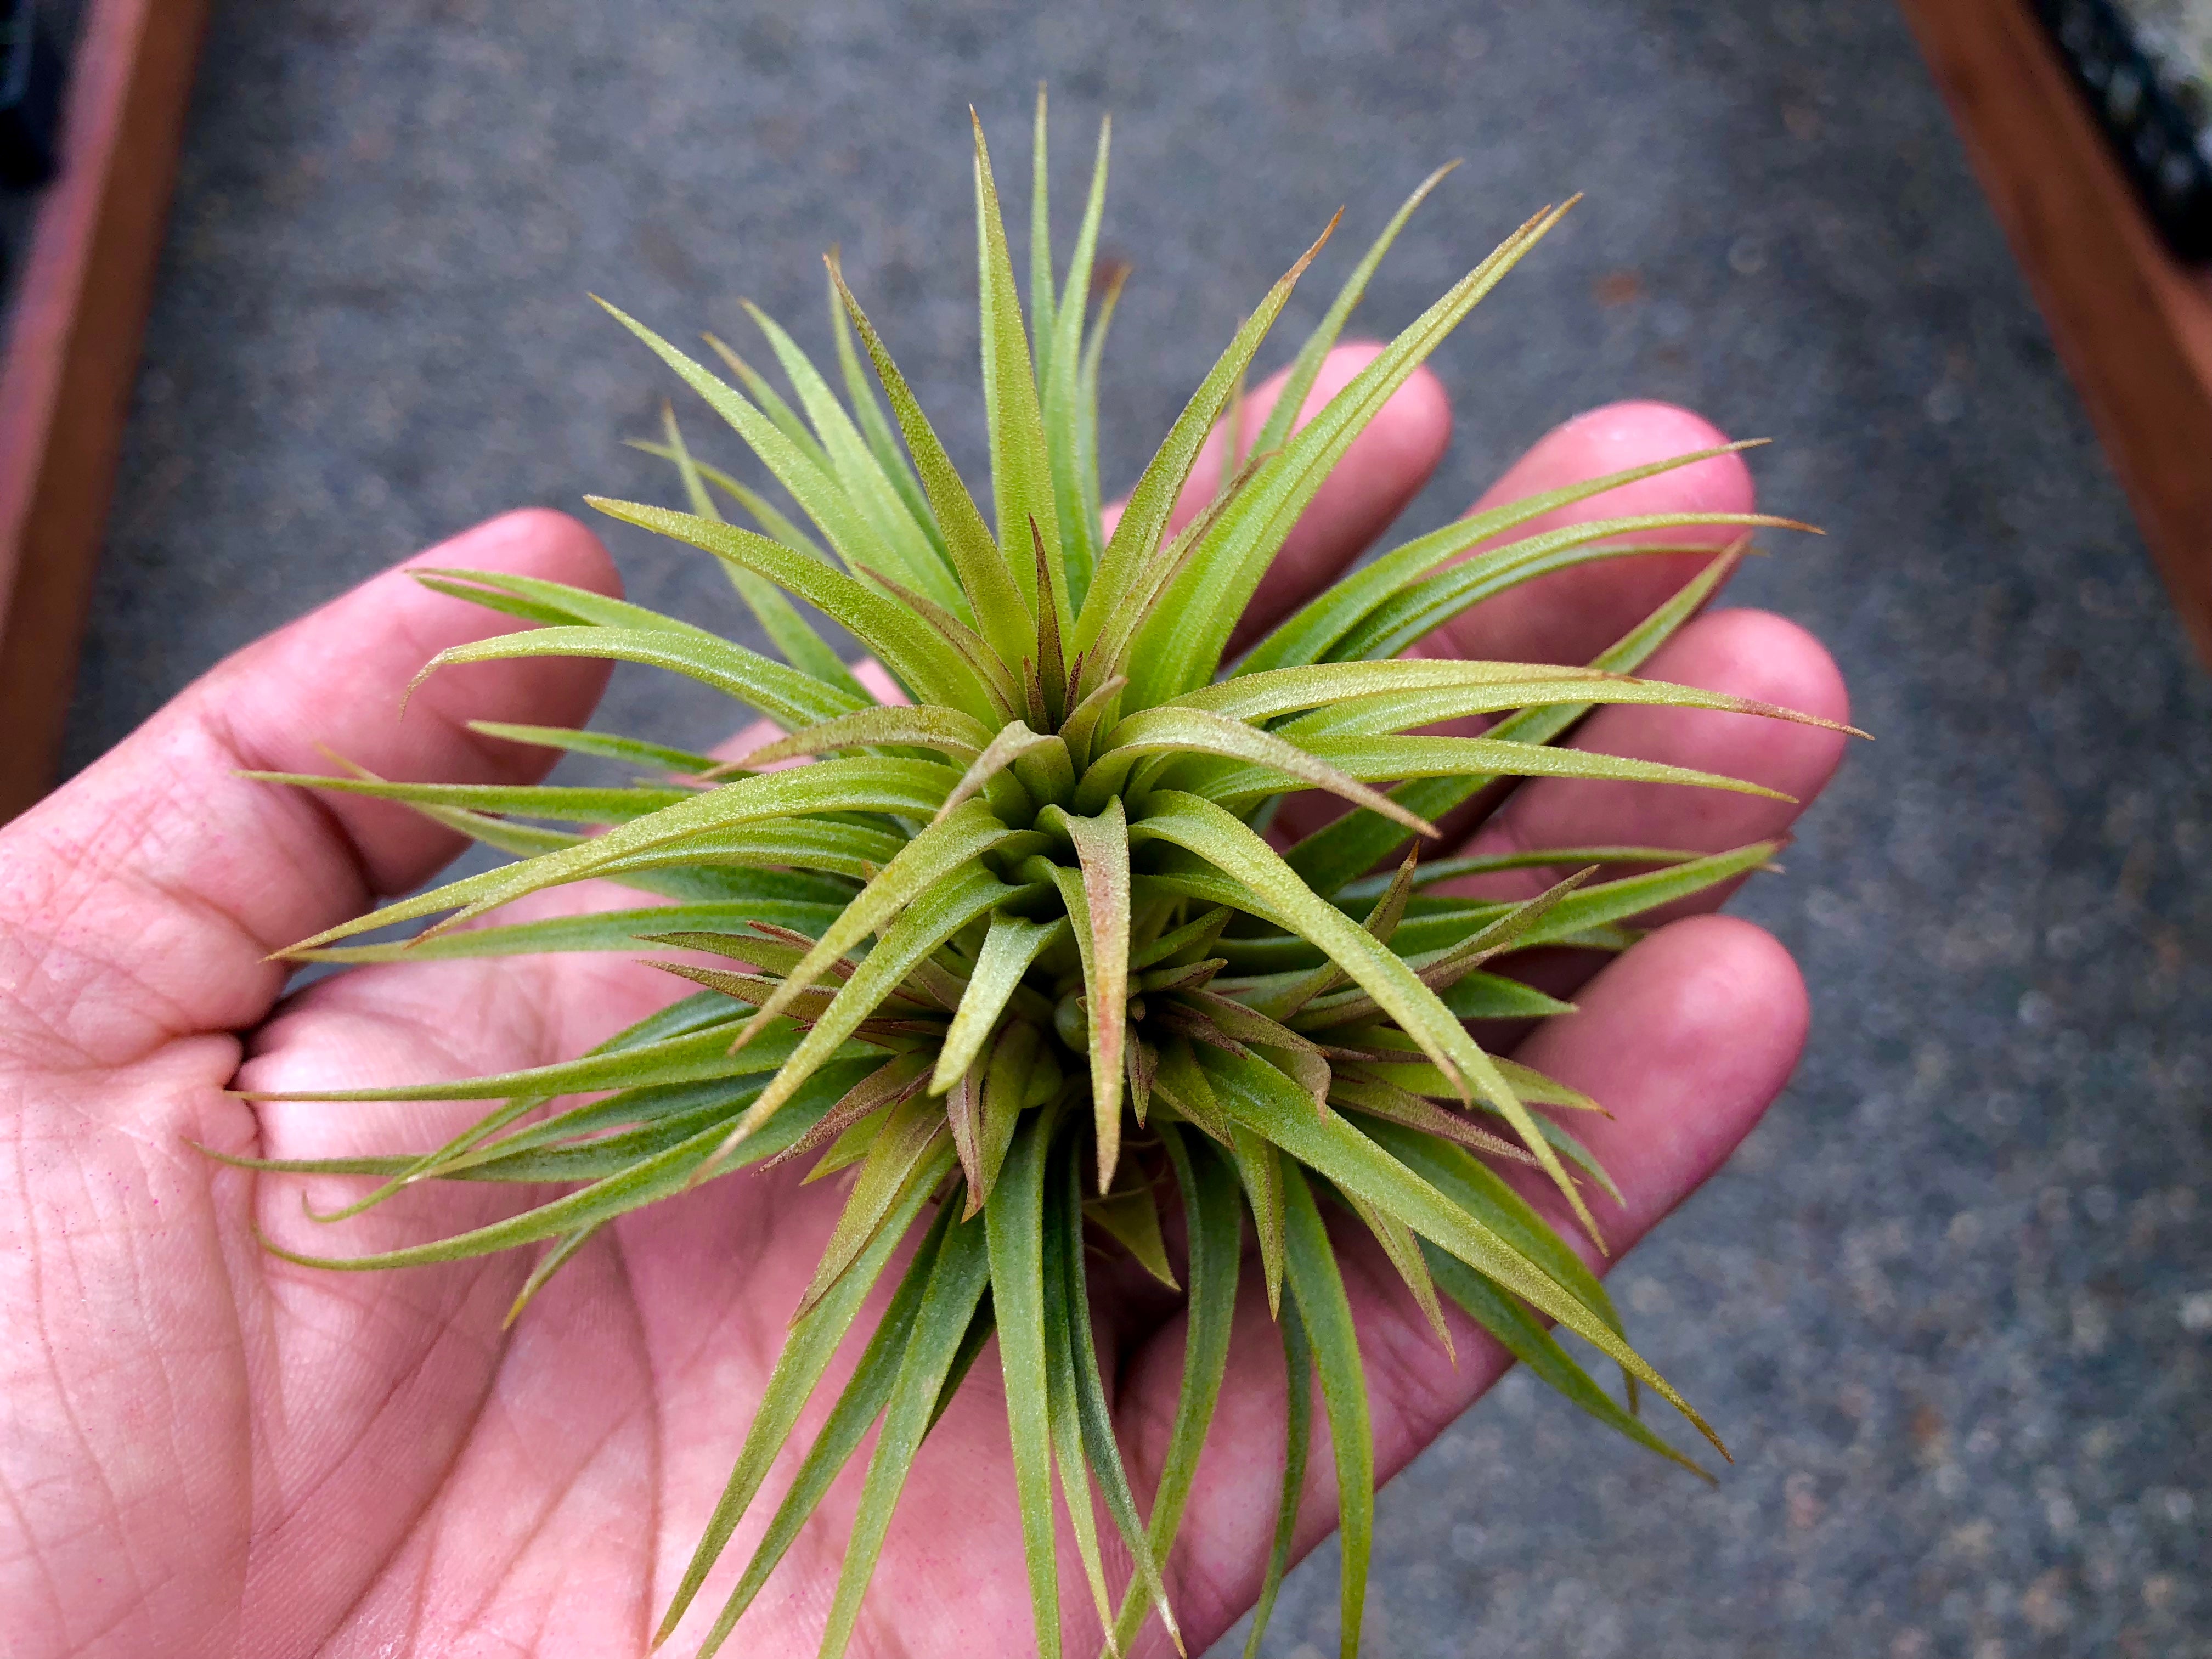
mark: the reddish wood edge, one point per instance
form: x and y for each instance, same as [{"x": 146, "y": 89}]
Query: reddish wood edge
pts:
[
  {"x": 72, "y": 356},
  {"x": 2133, "y": 325}
]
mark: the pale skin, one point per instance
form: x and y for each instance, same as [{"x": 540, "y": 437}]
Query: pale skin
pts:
[{"x": 204, "y": 1449}]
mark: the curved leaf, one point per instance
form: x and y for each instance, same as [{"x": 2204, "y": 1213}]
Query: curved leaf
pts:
[
  {"x": 907, "y": 645},
  {"x": 1326, "y": 1313},
  {"x": 1356, "y": 842},
  {"x": 1308, "y": 636},
  {"x": 919, "y": 726},
  {"x": 783, "y": 693},
  {"x": 1180, "y": 732}
]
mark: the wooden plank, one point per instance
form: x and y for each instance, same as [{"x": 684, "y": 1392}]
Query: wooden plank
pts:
[
  {"x": 72, "y": 356},
  {"x": 2132, "y": 324}
]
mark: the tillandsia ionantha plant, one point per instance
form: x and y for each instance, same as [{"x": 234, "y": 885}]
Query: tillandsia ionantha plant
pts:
[{"x": 1019, "y": 955}]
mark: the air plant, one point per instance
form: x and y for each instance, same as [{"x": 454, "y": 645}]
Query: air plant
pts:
[{"x": 1017, "y": 958}]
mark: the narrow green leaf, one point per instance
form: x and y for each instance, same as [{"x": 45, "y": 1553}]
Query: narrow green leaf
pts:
[
  {"x": 1427, "y": 605},
  {"x": 1403, "y": 1251},
  {"x": 1527, "y": 1340},
  {"x": 1356, "y": 842},
  {"x": 914, "y": 1131},
  {"x": 1019, "y": 1058},
  {"x": 1215, "y": 1230},
  {"x": 562, "y": 602},
  {"x": 813, "y": 1339},
  {"x": 1014, "y": 1221},
  {"x": 1086, "y": 415},
  {"x": 491, "y": 598},
  {"x": 1145, "y": 518},
  {"x": 872, "y": 784},
  {"x": 1097, "y": 903},
  {"x": 1021, "y": 467},
  {"x": 785, "y": 419},
  {"x": 914, "y": 725},
  {"x": 1358, "y": 1161},
  {"x": 924, "y": 924},
  {"x": 1182, "y": 646},
  {"x": 791, "y": 634},
  {"x": 1632, "y": 895},
  {"x": 1010, "y": 946},
  {"x": 1480, "y": 1192},
  {"x": 1042, "y": 326},
  {"x": 630, "y": 750},
  {"x": 800, "y": 470},
  {"x": 1061, "y": 1398},
  {"x": 1381, "y": 925},
  {"x": 562, "y": 1252},
  {"x": 682, "y": 1018},
  {"x": 1100, "y": 1447},
  {"x": 1308, "y": 636},
  {"x": 956, "y": 1284},
  {"x": 982, "y": 1326},
  {"x": 1059, "y": 372},
  {"x": 690, "y": 1057},
  {"x": 617, "y": 804},
  {"x": 701, "y": 869},
  {"x": 1014, "y": 740},
  {"x": 773, "y": 525},
  {"x": 1183, "y": 732},
  {"x": 1131, "y": 1218},
  {"x": 1260, "y": 1171},
  {"x": 1436, "y": 871},
  {"x": 1231, "y": 846},
  {"x": 890, "y": 1085},
  {"x": 1001, "y": 612},
  {"x": 1356, "y": 1091},
  {"x": 865, "y": 484},
  {"x": 1373, "y": 759},
  {"x": 1306, "y": 366},
  {"x": 641, "y": 1183},
  {"x": 944, "y": 850},
  {"x": 964, "y": 1115},
  {"x": 859, "y": 1406},
  {"x": 1441, "y": 970},
  {"x": 1325, "y": 1312},
  {"x": 596, "y": 930},
  {"x": 1279, "y": 691},
  {"x": 906, "y": 645},
  {"x": 882, "y": 442},
  {"x": 1480, "y": 995},
  {"x": 785, "y": 695},
  {"x": 1298, "y": 1435}
]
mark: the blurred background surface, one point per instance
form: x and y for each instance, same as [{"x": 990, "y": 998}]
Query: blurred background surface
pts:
[{"x": 1952, "y": 1303}]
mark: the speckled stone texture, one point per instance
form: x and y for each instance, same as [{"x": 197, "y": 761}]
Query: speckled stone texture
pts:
[{"x": 1953, "y": 1301}]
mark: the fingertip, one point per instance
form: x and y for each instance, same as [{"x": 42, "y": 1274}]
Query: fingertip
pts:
[
  {"x": 1757, "y": 653},
  {"x": 1617, "y": 436},
  {"x": 1764, "y": 657},
  {"x": 1686, "y": 1039},
  {"x": 1732, "y": 987}
]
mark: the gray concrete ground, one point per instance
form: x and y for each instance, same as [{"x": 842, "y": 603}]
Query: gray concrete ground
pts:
[{"x": 1953, "y": 1301}]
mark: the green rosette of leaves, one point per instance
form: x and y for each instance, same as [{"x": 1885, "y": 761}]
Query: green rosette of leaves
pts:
[{"x": 1016, "y": 957}]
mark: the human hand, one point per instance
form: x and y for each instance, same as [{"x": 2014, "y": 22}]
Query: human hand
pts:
[{"x": 206, "y": 1448}]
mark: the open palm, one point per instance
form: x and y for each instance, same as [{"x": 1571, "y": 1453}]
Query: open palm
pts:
[{"x": 204, "y": 1449}]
